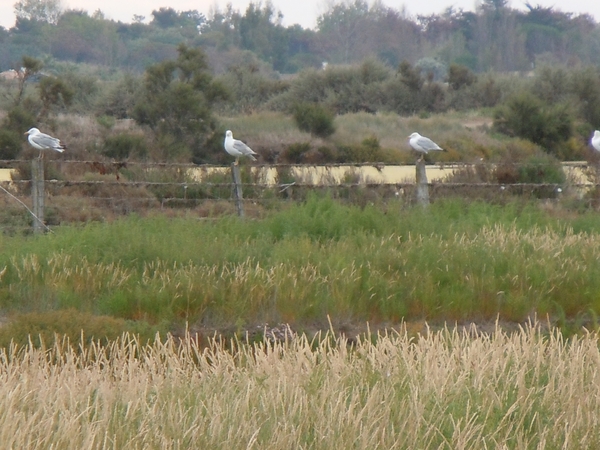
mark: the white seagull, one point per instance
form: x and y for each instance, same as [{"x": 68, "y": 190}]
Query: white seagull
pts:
[
  {"x": 42, "y": 141},
  {"x": 423, "y": 145},
  {"x": 596, "y": 140},
  {"x": 237, "y": 148}
]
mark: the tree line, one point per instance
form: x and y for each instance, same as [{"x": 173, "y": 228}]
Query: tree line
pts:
[{"x": 494, "y": 37}]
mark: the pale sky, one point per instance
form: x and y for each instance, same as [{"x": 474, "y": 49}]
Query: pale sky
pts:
[{"x": 304, "y": 12}]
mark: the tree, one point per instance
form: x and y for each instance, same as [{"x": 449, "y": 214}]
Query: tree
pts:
[
  {"x": 169, "y": 18},
  {"x": 29, "y": 67},
  {"x": 38, "y": 10},
  {"x": 261, "y": 32},
  {"x": 176, "y": 104}
]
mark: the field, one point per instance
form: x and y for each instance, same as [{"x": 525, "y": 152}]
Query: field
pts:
[
  {"x": 455, "y": 261},
  {"x": 408, "y": 328}
]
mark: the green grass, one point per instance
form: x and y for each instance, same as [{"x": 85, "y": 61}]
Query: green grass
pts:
[{"x": 453, "y": 261}]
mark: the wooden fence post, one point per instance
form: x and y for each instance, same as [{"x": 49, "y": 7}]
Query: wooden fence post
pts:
[
  {"x": 237, "y": 181},
  {"x": 422, "y": 184},
  {"x": 38, "y": 194}
]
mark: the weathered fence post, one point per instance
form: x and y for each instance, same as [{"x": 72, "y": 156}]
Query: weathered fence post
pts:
[
  {"x": 422, "y": 184},
  {"x": 38, "y": 194},
  {"x": 237, "y": 181}
]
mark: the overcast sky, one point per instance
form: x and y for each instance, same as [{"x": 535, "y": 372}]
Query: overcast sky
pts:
[{"x": 303, "y": 12}]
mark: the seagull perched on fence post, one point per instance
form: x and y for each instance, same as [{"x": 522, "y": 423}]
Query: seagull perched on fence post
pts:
[
  {"x": 237, "y": 148},
  {"x": 596, "y": 140},
  {"x": 423, "y": 145},
  {"x": 43, "y": 141}
]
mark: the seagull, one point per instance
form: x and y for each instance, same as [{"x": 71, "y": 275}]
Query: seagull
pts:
[
  {"x": 596, "y": 140},
  {"x": 42, "y": 141},
  {"x": 423, "y": 145},
  {"x": 237, "y": 148}
]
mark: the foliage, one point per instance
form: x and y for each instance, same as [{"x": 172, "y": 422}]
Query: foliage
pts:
[
  {"x": 295, "y": 153},
  {"x": 119, "y": 100},
  {"x": 460, "y": 76},
  {"x": 526, "y": 116},
  {"x": 314, "y": 118},
  {"x": 17, "y": 121},
  {"x": 124, "y": 145},
  {"x": 341, "y": 89},
  {"x": 38, "y": 10},
  {"x": 312, "y": 259},
  {"x": 369, "y": 150},
  {"x": 54, "y": 92},
  {"x": 250, "y": 87},
  {"x": 169, "y": 18},
  {"x": 585, "y": 84},
  {"x": 176, "y": 103},
  {"x": 491, "y": 38},
  {"x": 10, "y": 144}
]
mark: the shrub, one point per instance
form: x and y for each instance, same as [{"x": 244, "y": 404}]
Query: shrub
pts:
[
  {"x": 10, "y": 144},
  {"x": 19, "y": 119},
  {"x": 314, "y": 119},
  {"x": 294, "y": 153},
  {"x": 526, "y": 116},
  {"x": 541, "y": 169},
  {"x": 124, "y": 145},
  {"x": 460, "y": 76}
]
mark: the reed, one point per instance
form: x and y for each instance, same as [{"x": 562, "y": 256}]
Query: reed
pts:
[{"x": 446, "y": 389}]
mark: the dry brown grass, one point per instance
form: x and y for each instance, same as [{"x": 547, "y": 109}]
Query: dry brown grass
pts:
[{"x": 447, "y": 389}]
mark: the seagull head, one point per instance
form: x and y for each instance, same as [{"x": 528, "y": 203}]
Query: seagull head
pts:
[
  {"x": 32, "y": 131},
  {"x": 228, "y": 134}
]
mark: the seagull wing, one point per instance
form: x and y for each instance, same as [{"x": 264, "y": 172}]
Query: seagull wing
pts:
[
  {"x": 243, "y": 149},
  {"x": 427, "y": 144},
  {"x": 44, "y": 141}
]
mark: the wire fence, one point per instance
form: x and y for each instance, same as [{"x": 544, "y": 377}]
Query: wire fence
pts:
[{"x": 83, "y": 191}]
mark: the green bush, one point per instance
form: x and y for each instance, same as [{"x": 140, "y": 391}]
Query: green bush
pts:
[
  {"x": 314, "y": 119},
  {"x": 541, "y": 169},
  {"x": 294, "y": 153},
  {"x": 525, "y": 115},
  {"x": 460, "y": 76},
  {"x": 124, "y": 145},
  {"x": 369, "y": 150},
  {"x": 19, "y": 119},
  {"x": 10, "y": 144}
]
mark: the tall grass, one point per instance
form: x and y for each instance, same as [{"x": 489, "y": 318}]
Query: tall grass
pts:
[
  {"x": 445, "y": 390},
  {"x": 455, "y": 261}
]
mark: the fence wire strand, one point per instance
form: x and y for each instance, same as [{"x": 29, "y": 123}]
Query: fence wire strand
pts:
[{"x": 90, "y": 198}]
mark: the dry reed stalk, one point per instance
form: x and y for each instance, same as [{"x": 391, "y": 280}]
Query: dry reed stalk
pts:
[{"x": 447, "y": 389}]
